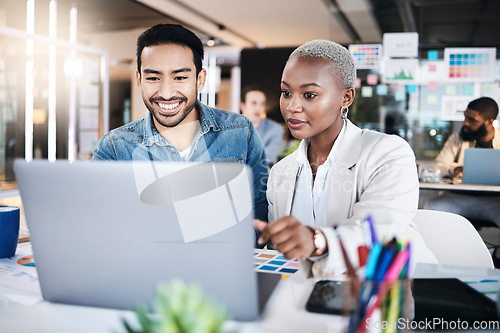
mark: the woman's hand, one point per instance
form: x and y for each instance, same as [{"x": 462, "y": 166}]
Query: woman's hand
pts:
[{"x": 288, "y": 236}]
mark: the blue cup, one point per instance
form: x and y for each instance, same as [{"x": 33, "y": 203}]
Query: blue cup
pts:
[{"x": 9, "y": 231}]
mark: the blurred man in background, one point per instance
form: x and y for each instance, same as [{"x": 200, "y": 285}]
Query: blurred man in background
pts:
[
  {"x": 253, "y": 106},
  {"x": 477, "y": 132}
]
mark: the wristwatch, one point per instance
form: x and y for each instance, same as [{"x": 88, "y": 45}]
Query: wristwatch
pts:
[{"x": 319, "y": 240}]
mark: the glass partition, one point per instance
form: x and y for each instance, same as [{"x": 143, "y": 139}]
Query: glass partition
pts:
[
  {"x": 425, "y": 114},
  {"x": 53, "y": 99}
]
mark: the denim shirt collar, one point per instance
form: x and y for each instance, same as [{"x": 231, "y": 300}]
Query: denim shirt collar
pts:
[{"x": 152, "y": 136}]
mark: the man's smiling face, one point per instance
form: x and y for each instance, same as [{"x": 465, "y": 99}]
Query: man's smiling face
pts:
[{"x": 169, "y": 84}]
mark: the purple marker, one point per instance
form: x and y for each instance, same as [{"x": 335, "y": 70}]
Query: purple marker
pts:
[{"x": 372, "y": 229}]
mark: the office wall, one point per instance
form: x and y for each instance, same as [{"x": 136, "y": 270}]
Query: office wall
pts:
[
  {"x": 121, "y": 46},
  {"x": 263, "y": 67}
]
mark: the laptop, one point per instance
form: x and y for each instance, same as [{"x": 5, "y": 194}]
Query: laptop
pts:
[
  {"x": 107, "y": 233},
  {"x": 481, "y": 166}
]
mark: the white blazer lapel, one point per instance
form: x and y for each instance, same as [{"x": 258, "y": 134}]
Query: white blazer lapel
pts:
[
  {"x": 344, "y": 179},
  {"x": 291, "y": 180},
  {"x": 285, "y": 177}
]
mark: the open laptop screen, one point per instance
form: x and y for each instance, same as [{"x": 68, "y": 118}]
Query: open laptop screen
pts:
[
  {"x": 106, "y": 233},
  {"x": 481, "y": 166}
]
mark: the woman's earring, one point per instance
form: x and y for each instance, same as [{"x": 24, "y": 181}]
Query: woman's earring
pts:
[{"x": 343, "y": 111}]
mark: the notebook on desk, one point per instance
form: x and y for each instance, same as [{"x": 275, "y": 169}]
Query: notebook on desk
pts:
[
  {"x": 481, "y": 166},
  {"x": 106, "y": 233}
]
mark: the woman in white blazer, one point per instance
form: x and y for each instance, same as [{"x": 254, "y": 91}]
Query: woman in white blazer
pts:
[{"x": 340, "y": 174}]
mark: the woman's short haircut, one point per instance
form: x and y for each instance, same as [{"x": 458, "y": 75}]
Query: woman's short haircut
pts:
[{"x": 330, "y": 51}]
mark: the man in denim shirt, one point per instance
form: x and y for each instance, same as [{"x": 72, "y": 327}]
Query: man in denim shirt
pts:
[{"x": 179, "y": 127}]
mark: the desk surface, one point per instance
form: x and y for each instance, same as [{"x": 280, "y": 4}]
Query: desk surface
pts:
[
  {"x": 8, "y": 193},
  {"x": 285, "y": 312},
  {"x": 453, "y": 186}
]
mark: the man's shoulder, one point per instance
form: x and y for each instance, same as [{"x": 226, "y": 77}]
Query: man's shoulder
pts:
[
  {"x": 132, "y": 131},
  {"x": 226, "y": 119},
  {"x": 454, "y": 135},
  {"x": 454, "y": 139},
  {"x": 273, "y": 124}
]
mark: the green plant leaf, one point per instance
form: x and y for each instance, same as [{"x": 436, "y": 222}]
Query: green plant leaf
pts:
[{"x": 181, "y": 308}]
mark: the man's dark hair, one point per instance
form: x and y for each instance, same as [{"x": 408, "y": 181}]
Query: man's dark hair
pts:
[
  {"x": 486, "y": 106},
  {"x": 171, "y": 34},
  {"x": 247, "y": 89}
]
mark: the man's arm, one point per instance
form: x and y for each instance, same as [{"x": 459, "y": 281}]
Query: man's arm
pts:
[
  {"x": 104, "y": 150},
  {"x": 256, "y": 159},
  {"x": 447, "y": 160}
]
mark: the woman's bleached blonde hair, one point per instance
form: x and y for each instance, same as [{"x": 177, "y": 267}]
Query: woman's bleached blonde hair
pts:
[{"x": 330, "y": 51}]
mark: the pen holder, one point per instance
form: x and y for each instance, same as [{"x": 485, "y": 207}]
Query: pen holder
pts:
[{"x": 379, "y": 307}]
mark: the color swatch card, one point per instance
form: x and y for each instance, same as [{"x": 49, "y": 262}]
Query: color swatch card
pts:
[
  {"x": 366, "y": 56},
  {"x": 471, "y": 64},
  {"x": 272, "y": 261}
]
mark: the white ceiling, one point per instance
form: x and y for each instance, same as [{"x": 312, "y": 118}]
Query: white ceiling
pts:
[
  {"x": 279, "y": 23},
  {"x": 274, "y": 23}
]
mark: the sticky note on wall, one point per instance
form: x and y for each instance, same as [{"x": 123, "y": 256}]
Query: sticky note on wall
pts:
[{"x": 367, "y": 92}]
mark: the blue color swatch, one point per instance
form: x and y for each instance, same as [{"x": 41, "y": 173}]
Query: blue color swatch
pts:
[{"x": 269, "y": 268}]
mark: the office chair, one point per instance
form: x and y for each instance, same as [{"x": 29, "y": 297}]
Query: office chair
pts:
[{"x": 452, "y": 239}]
